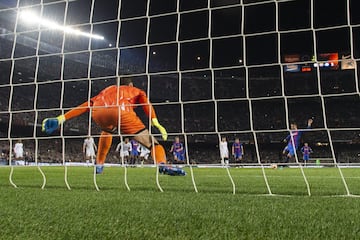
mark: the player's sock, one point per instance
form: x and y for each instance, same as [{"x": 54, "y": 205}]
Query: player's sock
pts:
[
  {"x": 158, "y": 154},
  {"x": 99, "y": 169},
  {"x": 103, "y": 148}
]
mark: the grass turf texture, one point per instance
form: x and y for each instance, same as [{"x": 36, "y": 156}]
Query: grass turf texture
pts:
[{"x": 178, "y": 213}]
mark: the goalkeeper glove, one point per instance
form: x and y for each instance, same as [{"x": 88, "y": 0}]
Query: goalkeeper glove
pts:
[
  {"x": 162, "y": 130},
  {"x": 49, "y": 125}
]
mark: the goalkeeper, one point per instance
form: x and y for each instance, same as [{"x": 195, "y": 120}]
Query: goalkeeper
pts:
[{"x": 114, "y": 107}]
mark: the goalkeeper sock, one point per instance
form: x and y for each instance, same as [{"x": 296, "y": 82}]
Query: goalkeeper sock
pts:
[
  {"x": 99, "y": 169},
  {"x": 103, "y": 148},
  {"x": 158, "y": 154}
]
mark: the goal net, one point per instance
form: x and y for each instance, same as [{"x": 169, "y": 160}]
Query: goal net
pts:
[{"x": 245, "y": 69}]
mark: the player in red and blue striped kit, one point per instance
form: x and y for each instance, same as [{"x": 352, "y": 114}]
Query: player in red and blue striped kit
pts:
[
  {"x": 306, "y": 150},
  {"x": 178, "y": 151},
  {"x": 293, "y": 140},
  {"x": 237, "y": 150},
  {"x": 134, "y": 154}
]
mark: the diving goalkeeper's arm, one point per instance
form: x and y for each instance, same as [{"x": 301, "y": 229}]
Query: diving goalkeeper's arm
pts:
[
  {"x": 150, "y": 112},
  {"x": 161, "y": 129},
  {"x": 49, "y": 125}
]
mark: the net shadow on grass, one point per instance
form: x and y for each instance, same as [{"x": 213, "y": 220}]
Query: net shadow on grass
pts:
[
  {"x": 208, "y": 180},
  {"x": 285, "y": 182},
  {"x": 249, "y": 181},
  {"x": 326, "y": 181},
  {"x": 142, "y": 178},
  {"x": 27, "y": 176},
  {"x": 353, "y": 180}
]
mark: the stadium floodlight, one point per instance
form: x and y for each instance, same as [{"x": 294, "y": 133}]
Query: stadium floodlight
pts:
[{"x": 30, "y": 17}]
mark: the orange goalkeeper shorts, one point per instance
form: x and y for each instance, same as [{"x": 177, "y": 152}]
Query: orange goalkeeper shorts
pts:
[{"x": 108, "y": 120}]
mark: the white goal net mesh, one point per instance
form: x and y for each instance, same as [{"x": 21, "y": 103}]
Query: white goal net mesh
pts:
[{"x": 242, "y": 69}]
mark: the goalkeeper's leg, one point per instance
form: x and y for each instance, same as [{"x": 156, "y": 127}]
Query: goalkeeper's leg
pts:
[
  {"x": 158, "y": 154},
  {"x": 157, "y": 151},
  {"x": 131, "y": 124},
  {"x": 103, "y": 149}
]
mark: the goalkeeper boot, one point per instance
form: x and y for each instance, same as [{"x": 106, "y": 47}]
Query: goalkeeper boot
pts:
[
  {"x": 173, "y": 171},
  {"x": 99, "y": 169},
  {"x": 179, "y": 172},
  {"x": 162, "y": 168}
]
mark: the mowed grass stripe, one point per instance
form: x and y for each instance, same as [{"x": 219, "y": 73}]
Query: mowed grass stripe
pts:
[{"x": 178, "y": 213}]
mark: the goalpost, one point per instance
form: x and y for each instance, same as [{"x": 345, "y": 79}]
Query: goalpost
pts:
[{"x": 210, "y": 69}]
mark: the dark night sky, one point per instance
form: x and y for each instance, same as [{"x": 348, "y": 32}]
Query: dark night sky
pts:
[
  {"x": 193, "y": 30},
  {"x": 194, "y": 25}
]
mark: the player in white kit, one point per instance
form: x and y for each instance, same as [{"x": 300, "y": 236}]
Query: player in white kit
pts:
[
  {"x": 224, "y": 151},
  {"x": 19, "y": 150},
  {"x": 144, "y": 153},
  {"x": 124, "y": 148},
  {"x": 89, "y": 148}
]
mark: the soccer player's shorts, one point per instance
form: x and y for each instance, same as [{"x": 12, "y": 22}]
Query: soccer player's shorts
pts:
[
  {"x": 224, "y": 155},
  {"x": 238, "y": 155},
  {"x": 306, "y": 157},
  {"x": 285, "y": 149},
  {"x": 124, "y": 154},
  {"x": 134, "y": 153},
  {"x": 179, "y": 156},
  {"x": 107, "y": 118},
  {"x": 19, "y": 154},
  {"x": 144, "y": 155},
  {"x": 89, "y": 153},
  {"x": 290, "y": 149}
]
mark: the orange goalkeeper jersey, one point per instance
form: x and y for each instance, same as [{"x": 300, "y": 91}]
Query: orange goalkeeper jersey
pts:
[
  {"x": 125, "y": 97},
  {"x": 116, "y": 103}
]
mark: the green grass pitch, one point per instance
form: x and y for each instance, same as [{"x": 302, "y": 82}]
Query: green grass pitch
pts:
[{"x": 179, "y": 213}]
